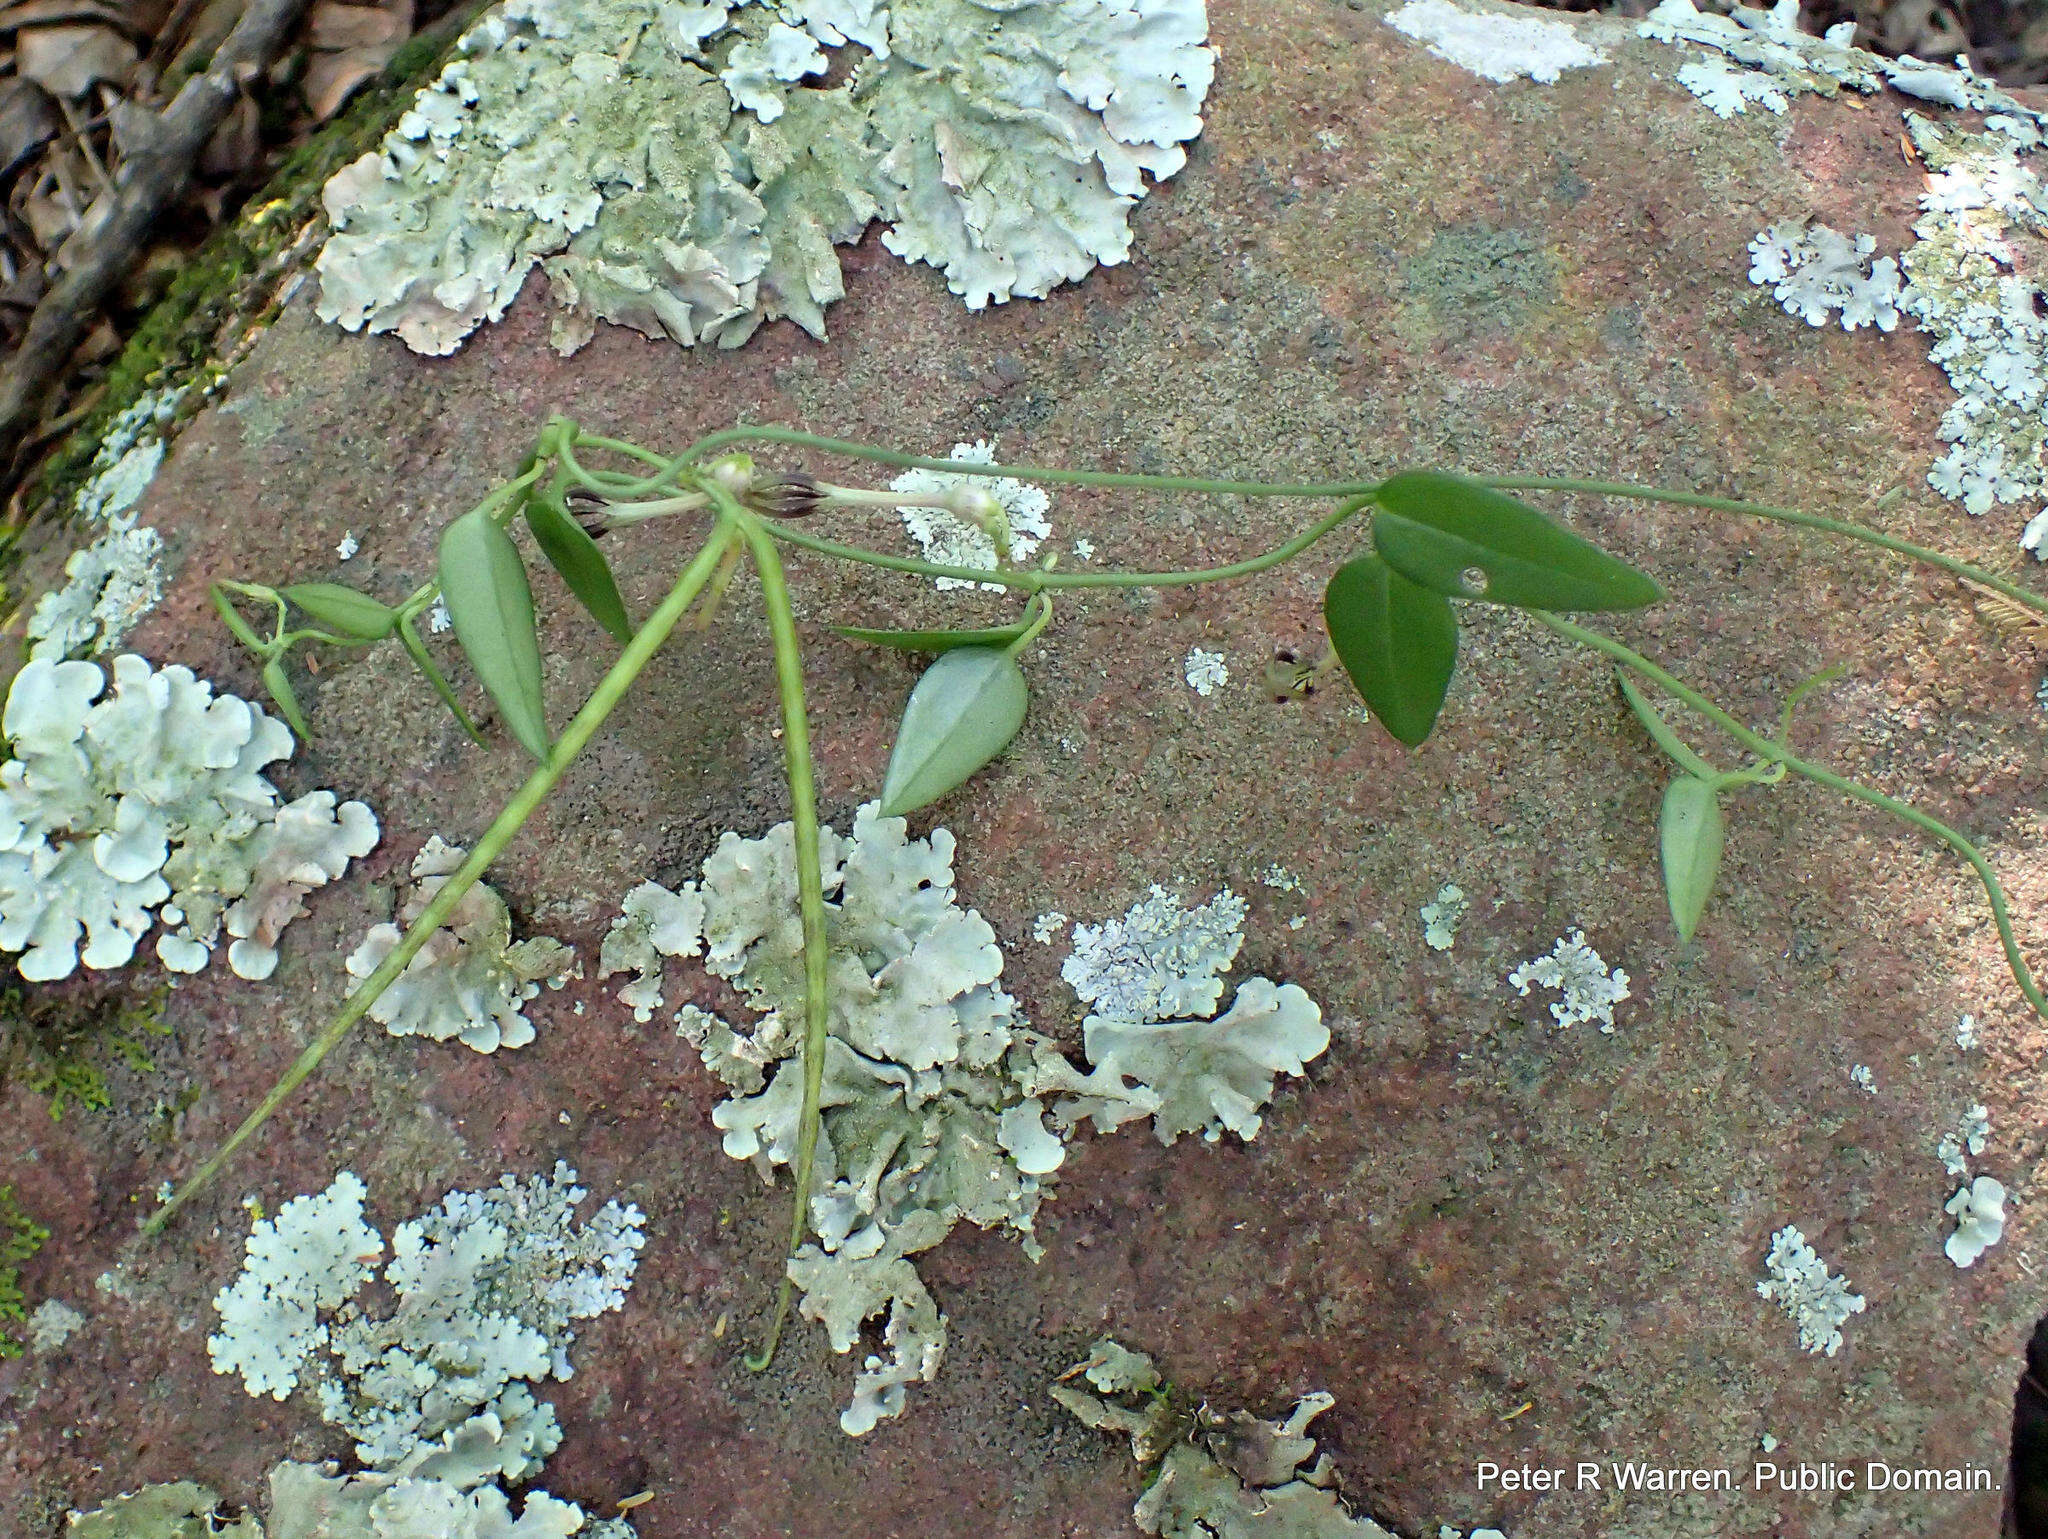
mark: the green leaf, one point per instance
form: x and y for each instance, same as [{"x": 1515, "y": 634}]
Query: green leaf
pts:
[
  {"x": 484, "y": 586},
  {"x": 1398, "y": 642},
  {"x": 280, "y": 689},
  {"x": 936, "y": 641},
  {"x": 343, "y": 609},
  {"x": 1434, "y": 528},
  {"x": 424, "y": 661},
  {"x": 964, "y": 711},
  {"x": 1691, "y": 834},
  {"x": 574, "y": 554},
  {"x": 1659, "y": 729}
]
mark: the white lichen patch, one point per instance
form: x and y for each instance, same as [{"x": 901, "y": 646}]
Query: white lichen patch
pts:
[
  {"x": 109, "y": 586},
  {"x": 1971, "y": 1132},
  {"x": 1279, "y": 878},
  {"x": 1231, "y": 1476},
  {"x": 1161, "y": 961},
  {"x": 470, "y": 980},
  {"x": 1496, "y": 45},
  {"x": 1205, "y": 1076},
  {"x": 1987, "y": 333},
  {"x": 948, "y": 539},
  {"x": 653, "y": 923},
  {"x": 936, "y": 1093},
  {"x": 1862, "y": 1078},
  {"x": 1442, "y": 916},
  {"x": 1979, "y": 1212},
  {"x": 1966, "y": 1033},
  {"x": 52, "y": 1323},
  {"x": 1818, "y": 1301},
  {"x": 1046, "y": 928},
  {"x": 130, "y": 450},
  {"x": 670, "y": 168},
  {"x": 149, "y": 802},
  {"x": 176, "y": 1509},
  {"x": 1818, "y": 272},
  {"x": 307, "y": 1260},
  {"x": 1578, "y": 973},
  {"x": 1205, "y": 672},
  {"x": 486, "y": 1290}
]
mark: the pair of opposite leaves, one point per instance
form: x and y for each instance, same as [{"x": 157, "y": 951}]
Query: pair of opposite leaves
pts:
[
  {"x": 1437, "y": 537},
  {"x": 963, "y": 712}
]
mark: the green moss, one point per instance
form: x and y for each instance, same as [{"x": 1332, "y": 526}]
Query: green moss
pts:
[
  {"x": 58, "y": 1047},
  {"x": 20, "y": 1238}
]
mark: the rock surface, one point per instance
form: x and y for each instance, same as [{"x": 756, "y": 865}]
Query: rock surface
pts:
[{"x": 1491, "y": 1239}]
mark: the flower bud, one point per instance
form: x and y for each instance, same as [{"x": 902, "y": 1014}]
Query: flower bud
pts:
[{"x": 790, "y": 496}]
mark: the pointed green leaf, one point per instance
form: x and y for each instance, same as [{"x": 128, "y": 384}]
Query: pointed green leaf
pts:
[
  {"x": 1398, "y": 642},
  {"x": 280, "y": 689},
  {"x": 343, "y": 609},
  {"x": 574, "y": 554},
  {"x": 964, "y": 711},
  {"x": 1434, "y": 528},
  {"x": 424, "y": 661},
  {"x": 484, "y": 586},
  {"x": 935, "y": 641},
  {"x": 1660, "y": 730},
  {"x": 1691, "y": 834}
]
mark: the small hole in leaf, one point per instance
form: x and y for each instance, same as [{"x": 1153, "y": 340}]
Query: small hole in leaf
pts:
[{"x": 1473, "y": 580}]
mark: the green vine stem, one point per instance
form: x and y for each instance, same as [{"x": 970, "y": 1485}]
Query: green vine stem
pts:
[
  {"x": 610, "y": 690},
  {"x": 1950, "y": 564},
  {"x": 713, "y": 442},
  {"x": 1038, "y": 579},
  {"x": 1769, "y": 750},
  {"x": 803, "y": 793}
]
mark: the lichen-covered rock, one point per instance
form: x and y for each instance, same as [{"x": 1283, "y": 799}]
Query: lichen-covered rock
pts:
[
  {"x": 180, "y": 1509},
  {"x": 680, "y": 180},
  {"x": 1210, "y": 1076},
  {"x": 487, "y": 1290},
  {"x": 470, "y": 980},
  {"x": 149, "y": 802}
]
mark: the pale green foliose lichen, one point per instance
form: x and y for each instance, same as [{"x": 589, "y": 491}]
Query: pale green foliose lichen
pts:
[
  {"x": 1220, "y": 1476},
  {"x": 313, "y": 1501},
  {"x": 1587, "y": 990},
  {"x": 148, "y": 802},
  {"x": 1818, "y": 1301},
  {"x": 1818, "y": 272},
  {"x": 1442, "y": 916},
  {"x": 471, "y": 980},
  {"x": 935, "y": 1090},
  {"x": 675, "y": 169},
  {"x": 179, "y": 1509},
  {"x": 1979, "y": 1211}
]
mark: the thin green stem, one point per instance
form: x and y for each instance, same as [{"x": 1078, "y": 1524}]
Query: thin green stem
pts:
[
  {"x": 810, "y": 888},
  {"x": 1769, "y": 750},
  {"x": 1041, "y": 603},
  {"x": 1794, "y": 516},
  {"x": 779, "y": 435},
  {"x": 610, "y": 690},
  {"x": 1035, "y": 580}
]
